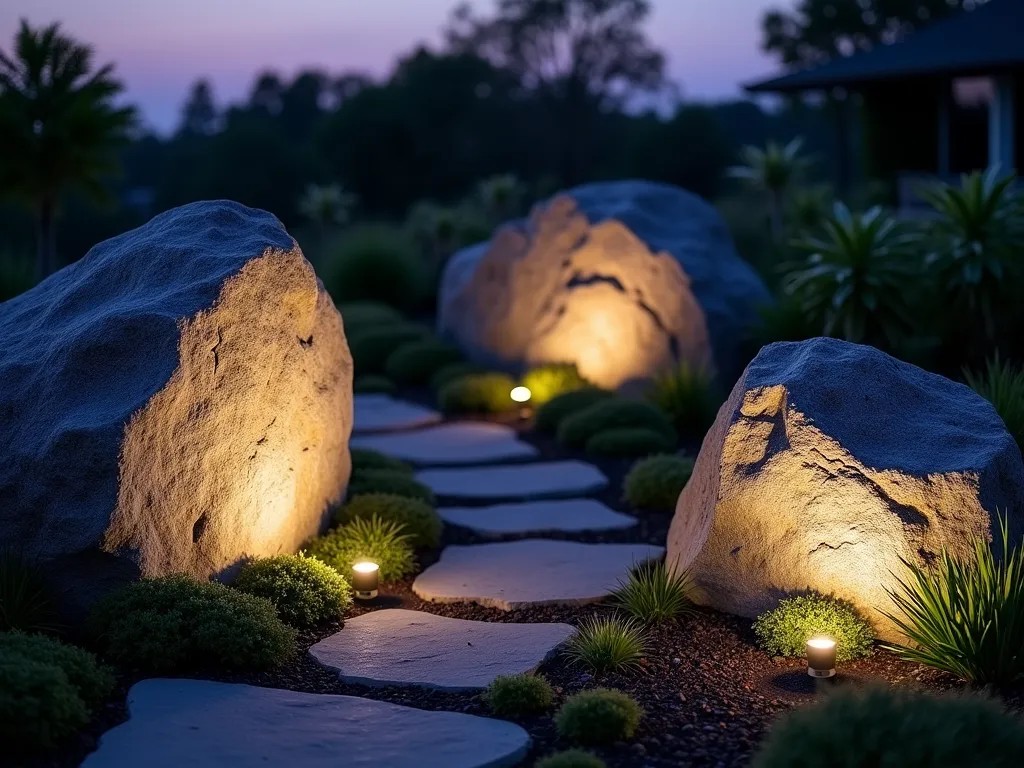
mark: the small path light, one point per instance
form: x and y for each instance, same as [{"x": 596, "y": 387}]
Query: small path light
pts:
[
  {"x": 365, "y": 580},
  {"x": 521, "y": 394},
  {"x": 821, "y": 657}
]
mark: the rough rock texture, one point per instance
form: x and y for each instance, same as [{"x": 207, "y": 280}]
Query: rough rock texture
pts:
[
  {"x": 203, "y": 724},
  {"x": 381, "y": 413},
  {"x": 831, "y": 461},
  {"x": 462, "y": 442},
  {"x": 622, "y": 278},
  {"x": 399, "y": 647},
  {"x": 543, "y": 479},
  {"x": 179, "y": 398}
]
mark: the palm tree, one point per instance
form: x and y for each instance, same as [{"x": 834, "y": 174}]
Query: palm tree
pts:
[
  {"x": 59, "y": 127},
  {"x": 775, "y": 170}
]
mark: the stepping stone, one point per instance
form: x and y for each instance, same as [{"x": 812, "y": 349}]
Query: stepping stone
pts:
[
  {"x": 381, "y": 413},
  {"x": 566, "y": 516},
  {"x": 458, "y": 443},
  {"x": 203, "y": 724},
  {"x": 399, "y": 647},
  {"x": 518, "y": 481},
  {"x": 518, "y": 574}
]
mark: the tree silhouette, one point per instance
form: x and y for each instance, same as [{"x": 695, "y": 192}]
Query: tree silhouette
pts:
[{"x": 199, "y": 113}]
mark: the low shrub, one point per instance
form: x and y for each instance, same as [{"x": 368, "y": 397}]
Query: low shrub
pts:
[
  {"x": 365, "y": 459},
  {"x": 555, "y": 411},
  {"x": 372, "y": 347},
  {"x": 374, "y": 540},
  {"x": 1002, "y": 384},
  {"x": 372, "y": 384},
  {"x": 378, "y": 263},
  {"x": 598, "y": 716},
  {"x": 785, "y": 630},
  {"x": 966, "y": 616},
  {"x": 417, "y": 519},
  {"x": 519, "y": 695},
  {"x": 304, "y": 590},
  {"x": 39, "y": 707},
  {"x": 454, "y": 371},
  {"x": 413, "y": 364},
  {"x": 26, "y": 595},
  {"x": 571, "y": 758},
  {"x": 609, "y": 644},
  {"x": 653, "y": 593},
  {"x": 688, "y": 396},
  {"x": 360, "y": 315},
  {"x": 547, "y": 382},
  {"x": 628, "y": 442},
  {"x": 92, "y": 681},
  {"x": 479, "y": 393},
  {"x": 178, "y": 624},
  {"x": 394, "y": 482},
  {"x": 576, "y": 430},
  {"x": 878, "y": 726},
  {"x": 656, "y": 482}
]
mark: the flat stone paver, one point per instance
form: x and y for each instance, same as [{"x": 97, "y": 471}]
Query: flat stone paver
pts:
[
  {"x": 517, "y": 574},
  {"x": 561, "y": 515},
  {"x": 382, "y": 413},
  {"x": 400, "y": 647},
  {"x": 516, "y": 481},
  {"x": 464, "y": 442},
  {"x": 203, "y": 724}
]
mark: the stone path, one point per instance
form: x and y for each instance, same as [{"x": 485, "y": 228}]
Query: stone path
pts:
[
  {"x": 517, "y": 481},
  {"x": 381, "y": 413},
  {"x": 518, "y": 574},
  {"x": 531, "y": 517},
  {"x": 455, "y": 443},
  {"x": 399, "y": 647},
  {"x": 204, "y": 724}
]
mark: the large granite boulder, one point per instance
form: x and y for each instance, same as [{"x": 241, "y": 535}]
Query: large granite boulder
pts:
[
  {"x": 830, "y": 462},
  {"x": 622, "y": 278},
  {"x": 178, "y": 399}
]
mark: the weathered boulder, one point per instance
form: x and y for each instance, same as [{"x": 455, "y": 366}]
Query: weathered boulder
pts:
[
  {"x": 179, "y": 398},
  {"x": 622, "y": 278},
  {"x": 830, "y": 462}
]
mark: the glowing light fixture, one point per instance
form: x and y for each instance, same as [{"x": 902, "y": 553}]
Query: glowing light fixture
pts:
[
  {"x": 821, "y": 657},
  {"x": 521, "y": 394},
  {"x": 365, "y": 580}
]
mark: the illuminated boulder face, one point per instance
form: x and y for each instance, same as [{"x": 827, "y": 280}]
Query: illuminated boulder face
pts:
[
  {"x": 624, "y": 279},
  {"x": 830, "y": 462},
  {"x": 179, "y": 399}
]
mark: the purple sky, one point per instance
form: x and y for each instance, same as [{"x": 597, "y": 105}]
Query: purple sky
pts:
[{"x": 161, "y": 46}]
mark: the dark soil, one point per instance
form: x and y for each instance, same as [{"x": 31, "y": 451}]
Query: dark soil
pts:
[{"x": 707, "y": 691}]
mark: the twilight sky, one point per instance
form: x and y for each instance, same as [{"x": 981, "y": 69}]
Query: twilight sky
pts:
[{"x": 161, "y": 46}]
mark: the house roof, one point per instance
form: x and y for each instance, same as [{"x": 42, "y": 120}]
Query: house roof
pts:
[{"x": 987, "y": 39}]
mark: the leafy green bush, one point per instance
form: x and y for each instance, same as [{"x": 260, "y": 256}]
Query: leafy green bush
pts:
[
  {"x": 413, "y": 364},
  {"x": 547, "y": 382},
  {"x": 372, "y": 384},
  {"x": 1002, "y": 384},
  {"x": 365, "y": 459},
  {"x": 375, "y": 262},
  {"x": 519, "y": 695},
  {"x": 570, "y": 758},
  {"x": 374, "y": 540},
  {"x": 687, "y": 394},
  {"x": 39, "y": 707},
  {"x": 304, "y": 590},
  {"x": 653, "y": 593},
  {"x": 966, "y": 616},
  {"x": 26, "y": 599},
  {"x": 92, "y": 681},
  {"x": 391, "y": 481},
  {"x": 454, "y": 371},
  {"x": 598, "y": 716},
  {"x": 480, "y": 393},
  {"x": 360, "y": 315},
  {"x": 417, "y": 519},
  {"x": 576, "y": 430},
  {"x": 656, "y": 482},
  {"x": 607, "y": 644},
  {"x": 785, "y": 630},
  {"x": 555, "y": 411},
  {"x": 372, "y": 347},
  {"x": 628, "y": 442},
  {"x": 860, "y": 726},
  {"x": 178, "y": 624}
]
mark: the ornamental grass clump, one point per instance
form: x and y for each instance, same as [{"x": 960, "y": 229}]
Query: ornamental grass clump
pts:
[
  {"x": 607, "y": 644},
  {"x": 571, "y": 758},
  {"x": 305, "y": 591},
  {"x": 688, "y": 396},
  {"x": 966, "y": 615},
  {"x": 519, "y": 695},
  {"x": 785, "y": 630},
  {"x": 26, "y": 595},
  {"x": 655, "y": 483},
  {"x": 375, "y": 540},
  {"x": 598, "y": 716},
  {"x": 652, "y": 593},
  {"x": 417, "y": 519}
]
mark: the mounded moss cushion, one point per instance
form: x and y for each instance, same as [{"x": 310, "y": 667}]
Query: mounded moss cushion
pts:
[
  {"x": 454, "y": 371},
  {"x": 413, "y": 363},
  {"x": 417, "y": 519},
  {"x": 628, "y": 442},
  {"x": 479, "y": 393},
  {"x": 656, "y": 482},
  {"x": 372, "y": 347},
  {"x": 364, "y": 459},
  {"x": 576, "y": 430},
  {"x": 388, "y": 481},
  {"x": 374, "y": 384},
  {"x": 552, "y": 413}
]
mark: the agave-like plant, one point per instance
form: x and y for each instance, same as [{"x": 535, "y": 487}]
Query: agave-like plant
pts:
[
  {"x": 326, "y": 205},
  {"x": 1002, "y": 384},
  {"x": 856, "y": 275},
  {"x": 977, "y": 241},
  {"x": 774, "y": 170}
]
